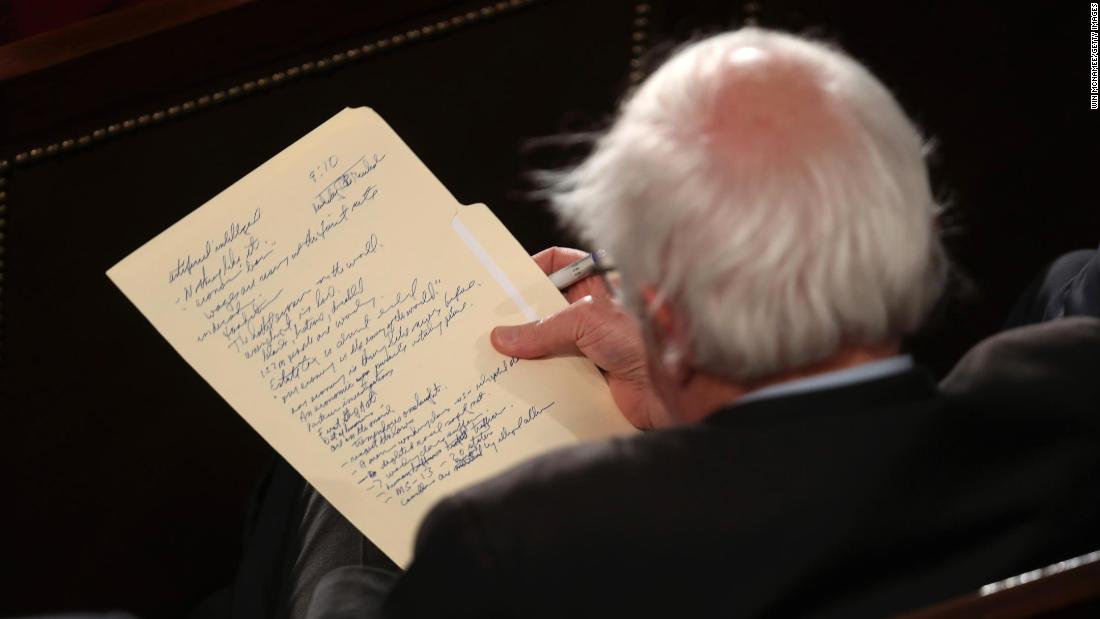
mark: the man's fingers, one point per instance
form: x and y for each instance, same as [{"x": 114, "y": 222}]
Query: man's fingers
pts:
[
  {"x": 556, "y": 258},
  {"x": 556, "y": 334},
  {"x": 591, "y": 286}
]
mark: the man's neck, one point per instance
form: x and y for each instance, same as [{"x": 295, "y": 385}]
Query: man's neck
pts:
[{"x": 705, "y": 393}]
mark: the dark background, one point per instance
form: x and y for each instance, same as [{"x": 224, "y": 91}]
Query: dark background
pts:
[{"x": 129, "y": 475}]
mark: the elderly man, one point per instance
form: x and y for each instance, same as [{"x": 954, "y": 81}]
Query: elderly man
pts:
[{"x": 769, "y": 208}]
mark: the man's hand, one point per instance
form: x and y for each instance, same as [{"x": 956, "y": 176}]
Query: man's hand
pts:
[{"x": 598, "y": 328}]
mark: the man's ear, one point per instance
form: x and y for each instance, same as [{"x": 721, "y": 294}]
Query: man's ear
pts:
[{"x": 670, "y": 334}]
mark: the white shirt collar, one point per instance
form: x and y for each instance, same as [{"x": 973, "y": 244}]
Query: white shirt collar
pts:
[{"x": 828, "y": 380}]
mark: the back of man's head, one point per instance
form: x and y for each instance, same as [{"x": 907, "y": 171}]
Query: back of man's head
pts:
[{"x": 774, "y": 192}]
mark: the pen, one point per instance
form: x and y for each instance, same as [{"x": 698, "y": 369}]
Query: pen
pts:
[{"x": 593, "y": 262}]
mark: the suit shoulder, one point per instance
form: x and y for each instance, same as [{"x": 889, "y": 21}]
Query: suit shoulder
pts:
[
  {"x": 611, "y": 464},
  {"x": 1049, "y": 366}
]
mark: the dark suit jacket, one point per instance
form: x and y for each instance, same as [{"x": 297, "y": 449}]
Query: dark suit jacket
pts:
[{"x": 856, "y": 501}]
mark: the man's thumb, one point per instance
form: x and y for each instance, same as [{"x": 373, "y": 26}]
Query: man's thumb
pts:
[
  {"x": 556, "y": 334},
  {"x": 521, "y": 341}
]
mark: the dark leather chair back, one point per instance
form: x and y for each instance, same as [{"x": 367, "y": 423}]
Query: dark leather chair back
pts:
[{"x": 1066, "y": 590}]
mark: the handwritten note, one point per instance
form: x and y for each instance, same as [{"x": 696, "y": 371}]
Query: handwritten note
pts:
[{"x": 340, "y": 299}]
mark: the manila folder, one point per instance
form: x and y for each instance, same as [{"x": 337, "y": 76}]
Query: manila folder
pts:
[{"x": 340, "y": 300}]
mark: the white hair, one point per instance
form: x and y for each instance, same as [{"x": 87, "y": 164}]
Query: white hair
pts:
[{"x": 775, "y": 193}]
